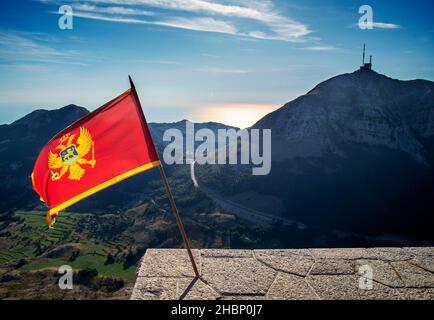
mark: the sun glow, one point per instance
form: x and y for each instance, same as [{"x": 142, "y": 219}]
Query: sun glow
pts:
[{"x": 237, "y": 115}]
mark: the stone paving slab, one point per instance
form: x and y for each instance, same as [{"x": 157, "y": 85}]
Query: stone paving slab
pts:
[
  {"x": 297, "y": 262},
  {"x": 226, "y": 253},
  {"x": 383, "y": 272},
  {"x": 413, "y": 276},
  {"x": 346, "y": 253},
  {"x": 424, "y": 262},
  {"x": 168, "y": 263},
  {"x": 309, "y": 274},
  {"x": 324, "y": 266},
  {"x": 346, "y": 287},
  {"x": 391, "y": 254},
  {"x": 417, "y": 294},
  {"x": 237, "y": 276},
  {"x": 172, "y": 289},
  {"x": 290, "y": 287},
  {"x": 423, "y": 251}
]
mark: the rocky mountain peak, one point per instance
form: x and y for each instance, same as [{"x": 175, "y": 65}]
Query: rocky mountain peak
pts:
[
  {"x": 40, "y": 118},
  {"x": 362, "y": 107}
]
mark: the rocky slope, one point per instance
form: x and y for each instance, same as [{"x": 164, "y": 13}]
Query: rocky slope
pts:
[{"x": 363, "y": 107}]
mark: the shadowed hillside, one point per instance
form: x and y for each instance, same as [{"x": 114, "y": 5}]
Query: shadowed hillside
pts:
[{"x": 356, "y": 153}]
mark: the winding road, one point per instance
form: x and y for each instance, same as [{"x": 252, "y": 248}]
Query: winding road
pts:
[{"x": 237, "y": 209}]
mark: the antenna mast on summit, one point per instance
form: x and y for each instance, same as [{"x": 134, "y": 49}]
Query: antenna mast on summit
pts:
[{"x": 368, "y": 65}]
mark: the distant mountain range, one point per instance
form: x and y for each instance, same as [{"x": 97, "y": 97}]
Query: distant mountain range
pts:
[
  {"x": 355, "y": 153},
  {"x": 21, "y": 141}
]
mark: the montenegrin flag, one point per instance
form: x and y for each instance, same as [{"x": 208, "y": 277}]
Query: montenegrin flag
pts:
[{"x": 104, "y": 147}]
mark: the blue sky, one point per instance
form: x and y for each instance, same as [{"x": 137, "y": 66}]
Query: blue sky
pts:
[{"x": 231, "y": 61}]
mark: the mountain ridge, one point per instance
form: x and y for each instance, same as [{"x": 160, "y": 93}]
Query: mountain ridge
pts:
[
  {"x": 22, "y": 140},
  {"x": 324, "y": 118}
]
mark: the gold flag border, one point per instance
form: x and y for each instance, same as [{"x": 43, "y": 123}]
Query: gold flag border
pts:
[{"x": 103, "y": 185}]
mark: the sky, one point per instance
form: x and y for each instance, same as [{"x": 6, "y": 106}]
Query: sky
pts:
[{"x": 230, "y": 61}]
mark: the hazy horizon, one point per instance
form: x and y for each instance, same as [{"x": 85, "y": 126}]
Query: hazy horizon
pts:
[{"x": 223, "y": 61}]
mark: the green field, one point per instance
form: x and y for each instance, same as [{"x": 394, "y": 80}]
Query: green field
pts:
[{"x": 30, "y": 239}]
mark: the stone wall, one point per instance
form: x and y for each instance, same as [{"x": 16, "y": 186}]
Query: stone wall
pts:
[{"x": 375, "y": 273}]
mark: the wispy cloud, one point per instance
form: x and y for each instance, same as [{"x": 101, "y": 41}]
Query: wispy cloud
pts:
[
  {"x": 95, "y": 16},
  {"x": 158, "y": 61},
  {"x": 383, "y": 25},
  {"x": 203, "y": 15},
  {"x": 378, "y": 25},
  {"x": 200, "y": 24},
  {"x": 197, "y": 24},
  {"x": 210, "y": 55},
  {"x": 33, "y": 47},
  {"x": 26, "y": 67},
  {"x": 112, "y": 10},
  {"x": 215, "y": 70},
  {"x": 320, "y": 48}
]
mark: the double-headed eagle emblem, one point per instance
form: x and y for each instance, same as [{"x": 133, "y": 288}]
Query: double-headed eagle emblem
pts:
[{"x": 71, "y": 156}]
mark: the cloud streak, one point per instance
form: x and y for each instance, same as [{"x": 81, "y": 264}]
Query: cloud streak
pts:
[
  {"x": 378, "y": 25},
  {"x": 383, "y": 25},
  {"x": 33, "y": 47},
  {"x": 320, "y": 48},
  {"x": 198, "y": 15},
  {"x": 112, "y": 10},
  {"x": 196, "y": 24}
]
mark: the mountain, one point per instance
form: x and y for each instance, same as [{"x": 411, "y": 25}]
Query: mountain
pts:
[
  {"x": 158, "y": 129},
  {"x": 363, "y": 107},
  {"x": 21, "y": 141},
  {"x": 356, "y": 153}
]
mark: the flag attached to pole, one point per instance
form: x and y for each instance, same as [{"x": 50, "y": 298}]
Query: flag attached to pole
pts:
[{"x": 105, "y": 147}]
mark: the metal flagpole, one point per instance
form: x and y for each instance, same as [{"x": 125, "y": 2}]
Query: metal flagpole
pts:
[{"x": 171, "y": 200}]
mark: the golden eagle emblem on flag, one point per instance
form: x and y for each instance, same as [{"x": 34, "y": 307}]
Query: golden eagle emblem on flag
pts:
[{"x": 71, "y": 156}]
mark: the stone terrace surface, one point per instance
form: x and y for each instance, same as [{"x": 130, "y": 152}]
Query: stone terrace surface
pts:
[{"x": 398, "y": 273}]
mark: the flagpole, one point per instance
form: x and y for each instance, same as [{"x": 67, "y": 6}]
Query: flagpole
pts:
[
  {"x": 171, "y": 200},
  {"x": 178, "y": 220}
]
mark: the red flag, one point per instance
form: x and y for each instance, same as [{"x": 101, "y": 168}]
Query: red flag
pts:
[{"x": 104, "y": 147}]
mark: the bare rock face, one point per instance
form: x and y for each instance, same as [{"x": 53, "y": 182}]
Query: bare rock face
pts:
[
  {"x": 363, "y": 107},
  {"x": 307, "y": 274}
]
